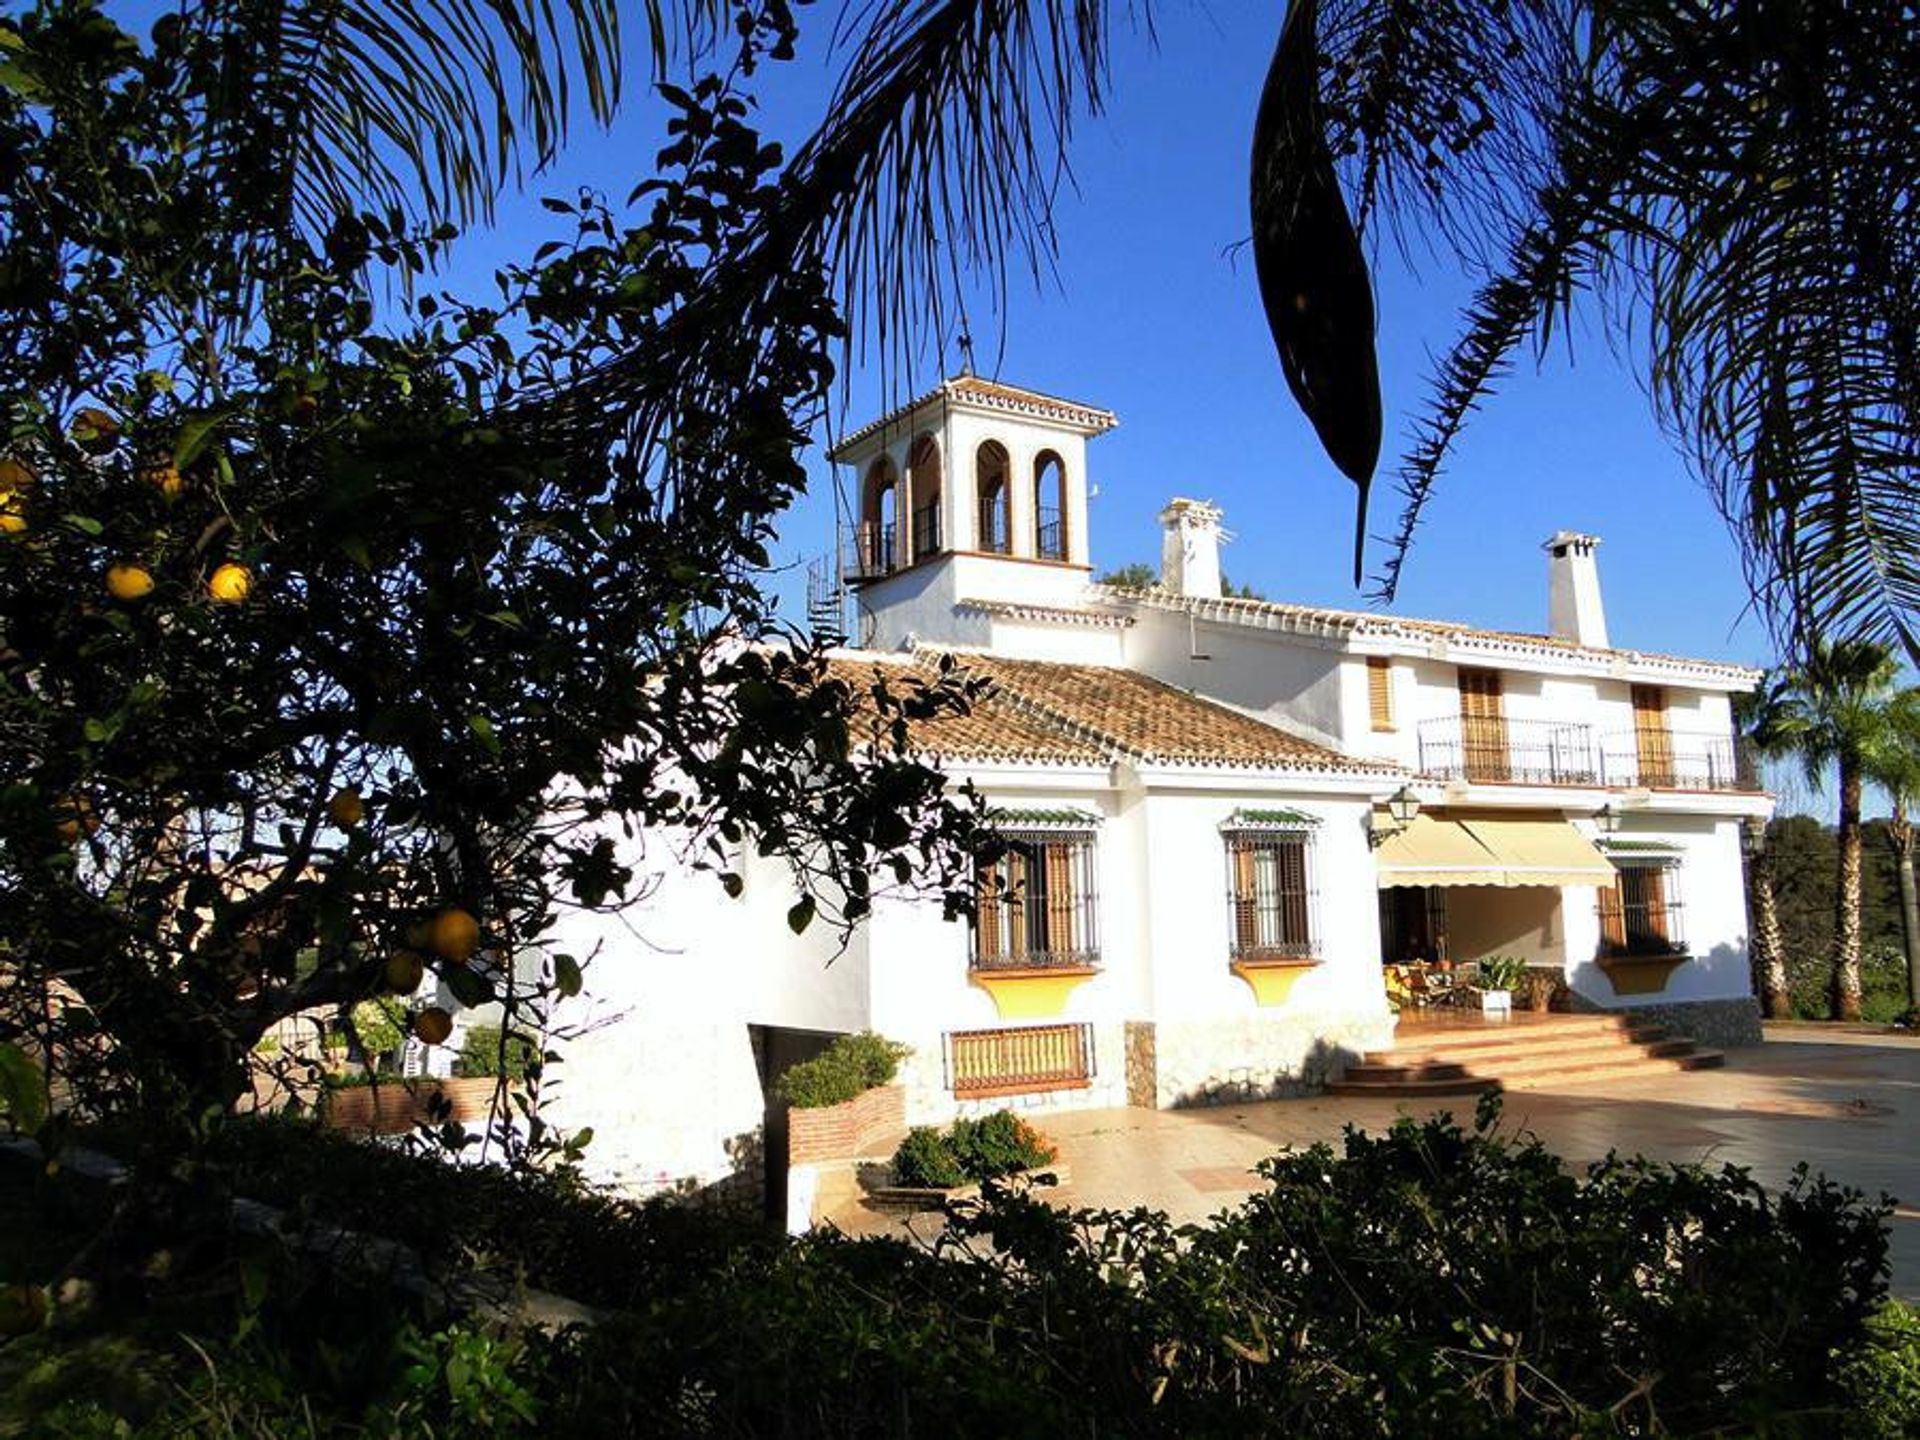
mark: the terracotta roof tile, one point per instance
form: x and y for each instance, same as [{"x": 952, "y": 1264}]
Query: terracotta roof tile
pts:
[
  {"x": 1127, "y": 714},
  {"x": 993, "y": 730}
]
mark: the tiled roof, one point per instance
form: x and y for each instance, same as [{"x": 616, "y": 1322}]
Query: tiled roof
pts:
[
  {"x": 1054, "y": 614},
  {"x": 1325, "y": 620},
  {"x": 1051, "y": 711},
  {"x": 990, "y": 731},
  {"x": 995, "y": 396}
]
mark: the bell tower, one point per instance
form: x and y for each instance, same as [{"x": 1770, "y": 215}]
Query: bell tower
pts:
[{"x": 974, "y": 491}]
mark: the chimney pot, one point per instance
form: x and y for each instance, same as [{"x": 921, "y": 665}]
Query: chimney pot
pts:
[
  {"x": 1190, "y": 548},
  {"x": 1574, "y": 609}
]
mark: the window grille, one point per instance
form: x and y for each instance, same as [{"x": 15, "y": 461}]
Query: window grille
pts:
[
  {"x": 1270, "y": 896},
  {"x": 1019, "y": 1061},
  {"x": 1038, "y": 904},
  {"x": 1641, "y": 912}
]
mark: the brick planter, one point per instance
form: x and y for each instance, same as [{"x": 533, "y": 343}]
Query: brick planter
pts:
[
  {"x": 397, "y": 1106},
  {"x": 861, "y": 1126}
]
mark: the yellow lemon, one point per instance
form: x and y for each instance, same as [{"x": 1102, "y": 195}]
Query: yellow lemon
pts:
[
  {"x": 230, "y": 584},
  {"x": 433, "y": 1025},
  {"x": 13, "y": 512},
  {"x": 165, "y": 479},
  {"x": 23, "y": 1309},
  {"x": 95, "y": 431},
  {"x": 129, "y": 582},
  {"x": 404, "y": 972},
  {"x": 14, "y": 475},
  {"x": 454, "y": 935},
  {"x": 73, "y": 817},
  {"x": 346, "y": 809}
]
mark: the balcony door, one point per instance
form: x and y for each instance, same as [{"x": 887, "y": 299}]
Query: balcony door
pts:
[
  {"x": 1652, "y": 739},
  {"x": 1483, "y": 726}
]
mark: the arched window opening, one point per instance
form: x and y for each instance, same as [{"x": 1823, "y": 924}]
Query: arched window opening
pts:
[
  {"x": 923, "y": 472},
  {"x": 991, "y": 472},
  {"x": 1050, "y": 507},
  {"x": 879, "y": 502}
]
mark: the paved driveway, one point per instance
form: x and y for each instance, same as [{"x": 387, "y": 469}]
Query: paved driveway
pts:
[{"x": 1848, "y": 1105}]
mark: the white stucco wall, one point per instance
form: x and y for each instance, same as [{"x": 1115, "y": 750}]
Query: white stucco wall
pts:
[{"x": 1292, "y": 683}]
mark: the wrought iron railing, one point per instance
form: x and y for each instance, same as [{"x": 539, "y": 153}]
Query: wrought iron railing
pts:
[
  {"x": 992, "y": 536},
  {"x": 1049, "y": 534},
  {"x": 1270, "y": 898},
  {"x": 926, "y": 530},
  {"x": 1637, "y": 926},
  {"x": 1529, "y": 752},
  {"x": 1677, "y": 760},
  {"x": 1017, "y": 1062},
  {"x": 868, "y": 550},
  {"x": 1038, "y": 906}
]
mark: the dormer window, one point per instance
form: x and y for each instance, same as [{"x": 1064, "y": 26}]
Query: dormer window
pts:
[
  {"x": 992, "y": 471},
  {"x": 1049, "y": 507}
]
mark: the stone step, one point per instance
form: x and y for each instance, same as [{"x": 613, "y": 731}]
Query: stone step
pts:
[
  {"x": 1409, "y": 1070},
  {"x": 1418, "y": 1036},
  {"x": 1466, "y": 1085},
  {"x": 1623, "y": 1057},
  {"x": 1582, "y": 1075},
  {"x": 1471, "y": 1046}
]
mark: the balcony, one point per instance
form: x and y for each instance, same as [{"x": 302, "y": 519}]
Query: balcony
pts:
[
  {"x": 1516, "y": 752},
  {"x": 1551, "y": 752},
  {"x": 1684, "y": 762},
  {"x": 926, "y": 531},
  {"x": 1049, "y": 534},
  {"x": 868, "y": 551}
]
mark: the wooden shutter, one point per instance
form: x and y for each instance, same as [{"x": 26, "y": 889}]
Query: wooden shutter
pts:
[
  {"x": 1649, "y": 895},
  {"x": 1019, "y": 892},
  {"x": 1653, "y": 741},
  {"x": 987, "y": 929},
  {"x": 1246, "y": 910},
  {"x": 1290, "y": 864},
  {"x": 1380, "y": 692},
  {"x": 1613, "y": 920},
  {"x": 1483, "y": 725},
  {"x": 1058, "y": 858}
]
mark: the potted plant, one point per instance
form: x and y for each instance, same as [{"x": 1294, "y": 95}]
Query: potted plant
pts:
[{"x": 1499, "y": 974}]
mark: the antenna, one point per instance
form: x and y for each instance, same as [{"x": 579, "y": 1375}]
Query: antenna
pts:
[{"x": 965, "y": 341}]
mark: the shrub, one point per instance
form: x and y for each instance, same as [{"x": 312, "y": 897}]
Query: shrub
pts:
[
  {"x": 998, "y": 1144},
  {"x": 985, "y": 1149},
  {"x": 1502, "y": 972},
  {"x": 481, "y": 1054},
  {"x": 850, "y": 1066},
  {"x": 925, "y": 1158},
  {"x": 1882, "y": 1377}
]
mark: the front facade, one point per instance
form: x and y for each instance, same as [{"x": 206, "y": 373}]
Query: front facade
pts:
[{"x": 1235, "y": 827}]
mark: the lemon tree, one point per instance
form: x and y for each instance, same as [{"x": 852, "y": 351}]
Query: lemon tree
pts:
[{"x": 344, "y": 620}]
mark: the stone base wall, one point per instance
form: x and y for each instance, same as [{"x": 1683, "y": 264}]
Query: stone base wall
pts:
[
  {"x": 1221, "y": 1062},
  {"x": 1716, "y": 1024}
]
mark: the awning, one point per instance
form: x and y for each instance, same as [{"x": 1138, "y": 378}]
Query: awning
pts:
[{"x": 1472, "y": 848}]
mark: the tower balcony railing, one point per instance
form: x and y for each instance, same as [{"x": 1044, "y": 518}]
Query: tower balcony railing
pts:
[
  {"x": 868, "y": 550},
  {"x": 926, "y": 531},
  {"x": 1049, "y": 534},
  {"x": 1514, "y": 752}
]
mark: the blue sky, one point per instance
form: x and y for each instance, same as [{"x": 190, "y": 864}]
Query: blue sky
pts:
[{"x": 1150, "y": 317}]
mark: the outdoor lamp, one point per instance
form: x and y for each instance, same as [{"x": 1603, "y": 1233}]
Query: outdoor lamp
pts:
[
  {"x": 1608, "y": 819},
  {"x": 1403, "y": 805}
]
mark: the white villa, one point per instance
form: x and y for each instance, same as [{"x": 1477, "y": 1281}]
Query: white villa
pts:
[{"x": 1228, "y": 819}]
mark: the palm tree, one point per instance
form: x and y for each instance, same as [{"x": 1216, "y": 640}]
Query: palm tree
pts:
[
  {"x": 1897, "y": 771},
  {"x": 1843, "y": 714},
  {"x": 1735, "y": 185},
  {"x": 1766, "y": 723}
]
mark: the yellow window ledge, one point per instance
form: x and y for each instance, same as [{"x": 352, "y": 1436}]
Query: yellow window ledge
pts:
[
  {"x": 1272, "y": 981},
  {"x": 1641, "y": 974},
  {"x": 1035, "y": 994}
]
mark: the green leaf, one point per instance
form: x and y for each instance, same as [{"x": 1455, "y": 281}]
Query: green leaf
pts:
[
  {"x": 469, "y": 989},
  {"x": 801, "y": 915},
  {"x": 23, "y": 1089},
  {"x": 194, "y": 437},
  {"x": 484, "y": 732},
  {"x": 85, "y": 524},
  {"x": 566, "y": 975},
  {"x": 733, "y": 885}
]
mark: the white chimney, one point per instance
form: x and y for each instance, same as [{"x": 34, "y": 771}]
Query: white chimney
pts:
[
  {"x": 1574, "y": 611},
  {"x": 1190, "y": 548}
]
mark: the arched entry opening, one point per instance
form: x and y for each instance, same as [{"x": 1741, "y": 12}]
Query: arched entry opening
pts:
[
  {"x": 1049, "y": 506},
  {"x": 879, "y": 519},
  {"x": 923, "y": 484},
  {"x": 992, "y": 470}
]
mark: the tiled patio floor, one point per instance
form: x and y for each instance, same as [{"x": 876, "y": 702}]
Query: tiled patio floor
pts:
[{"x": 1848, "y": 1105}]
